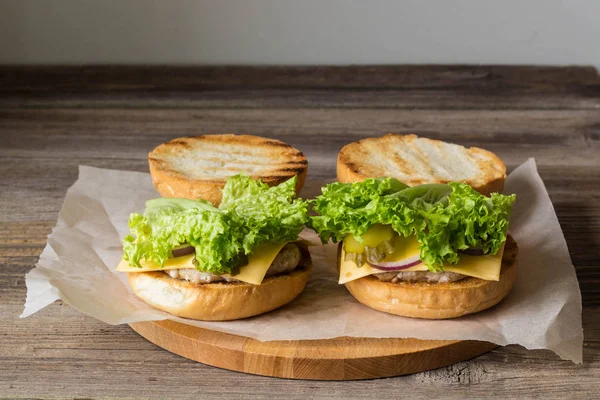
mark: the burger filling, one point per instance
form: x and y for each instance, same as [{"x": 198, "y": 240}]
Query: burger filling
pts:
[
  {"x": 419, "y": 276},
  {"x": 380, "y": 243},
  {"x": 286, "y": 261}
]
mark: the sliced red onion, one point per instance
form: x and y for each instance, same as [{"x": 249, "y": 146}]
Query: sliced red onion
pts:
[
  {"x": 396, "y": 265},
  {"x": 183, "y": 251}
]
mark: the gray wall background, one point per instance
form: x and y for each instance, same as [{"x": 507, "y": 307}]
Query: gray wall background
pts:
[{"x": 299, "y": 32}]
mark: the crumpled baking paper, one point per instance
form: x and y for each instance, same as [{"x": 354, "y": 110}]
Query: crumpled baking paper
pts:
[{"x": 543, "y": 311}]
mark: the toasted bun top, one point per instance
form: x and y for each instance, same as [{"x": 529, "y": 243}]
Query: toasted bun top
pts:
[
  {"x": 414, "y": 161},
  {"x": 217, "y": 157},
  {"x": 198, "y": 167}
]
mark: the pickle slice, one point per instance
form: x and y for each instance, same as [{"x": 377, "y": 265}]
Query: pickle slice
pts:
[
  {"x": 378, "y": 243},
  {"x": 357, "y": 258},
  {"x": 371, "y": 254},
  {"x": 375, "y": 235},
  {"x": 380, "y": 252},
  {"x": 352, "y": 245}
]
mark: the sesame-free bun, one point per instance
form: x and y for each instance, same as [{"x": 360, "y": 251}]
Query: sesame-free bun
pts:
[
  {"x": 198, "y": 167},
  {"x": 219, "y": 301},
  {"x": 438, "y": 300},
  {"x": 414, "y": 161}
]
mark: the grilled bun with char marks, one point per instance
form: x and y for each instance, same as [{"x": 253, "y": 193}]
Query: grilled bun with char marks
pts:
[
  {"x": 414, "y": 161},
  {"x": 198, "y": 167}
]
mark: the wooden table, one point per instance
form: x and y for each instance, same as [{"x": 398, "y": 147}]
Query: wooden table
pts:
[{"x": 54, "y": 119}]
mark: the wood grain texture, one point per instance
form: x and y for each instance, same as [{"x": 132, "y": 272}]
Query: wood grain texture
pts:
[
  {"x": 53, "y": 119},
  {"x": 330, "y": 360},
  {"x": 408, "y": 87}
]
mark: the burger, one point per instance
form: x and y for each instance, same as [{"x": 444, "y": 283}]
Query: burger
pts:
[
  {"x": 235, "y": 258},
  {"x": 429, "y": 250}
]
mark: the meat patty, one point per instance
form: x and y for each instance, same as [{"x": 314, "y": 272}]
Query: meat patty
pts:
[
  {"x": 286, "y": 261},
  {"x": 195, "y": 276},
  {"x": 420, "y": 276}
]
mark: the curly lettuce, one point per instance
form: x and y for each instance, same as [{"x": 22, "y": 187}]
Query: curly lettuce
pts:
[
  {"x": 444, "y": 218},
  {"x": 250, "y": 213},
  {"x": 345, "y": 208},
  {"x": 467, "y": 219},
  {"x": 266, "y": 213}
]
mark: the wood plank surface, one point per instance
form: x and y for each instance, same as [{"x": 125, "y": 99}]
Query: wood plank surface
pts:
[
  {"x": 411, "y": 87},
  {"x": 54, "y": 118}
]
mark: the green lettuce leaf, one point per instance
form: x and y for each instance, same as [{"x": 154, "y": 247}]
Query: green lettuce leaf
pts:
[
  {"x": 154, "y": 206},
  {"x": 444, "y": 218},
  {"x": 467, "y": 219},
  {"x": 423, "y": 196},
  {"x": 267, "y": 213},
  {"x": 345, "y": 208},
  {"x": 251, "y": 213},
  {"x": 212, "y": 234}
]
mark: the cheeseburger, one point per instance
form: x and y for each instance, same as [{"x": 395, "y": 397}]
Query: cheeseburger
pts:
[
  {"x": 220, "y": 245},
  {"x": 429, "y": 250}
]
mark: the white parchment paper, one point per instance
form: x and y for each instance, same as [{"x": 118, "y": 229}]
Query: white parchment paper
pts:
[{"x": 543, "y": 311}]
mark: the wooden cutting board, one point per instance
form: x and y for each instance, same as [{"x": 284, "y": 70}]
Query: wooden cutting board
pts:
[{"x": 332, "y": 359}]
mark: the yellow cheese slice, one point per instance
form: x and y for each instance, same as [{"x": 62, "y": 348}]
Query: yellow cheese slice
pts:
[
  {"x": 258, "y": 263},
  {"x": 486, "y": 267},
  {"x": 349, "y": 271},
  {"x": 253, "y": 272}
]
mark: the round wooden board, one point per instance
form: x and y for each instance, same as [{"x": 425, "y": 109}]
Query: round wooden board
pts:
[{"x": 332, "y": 359}]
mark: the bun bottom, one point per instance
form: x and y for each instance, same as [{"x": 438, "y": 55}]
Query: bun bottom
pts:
[
  {"x": 219, "y": 301},
  {"x": 438, "y": 300}
]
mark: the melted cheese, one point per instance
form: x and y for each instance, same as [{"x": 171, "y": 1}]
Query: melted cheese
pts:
[
  {"x": 253, "y": 272},
  {"x": 486, "y": 267}
]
